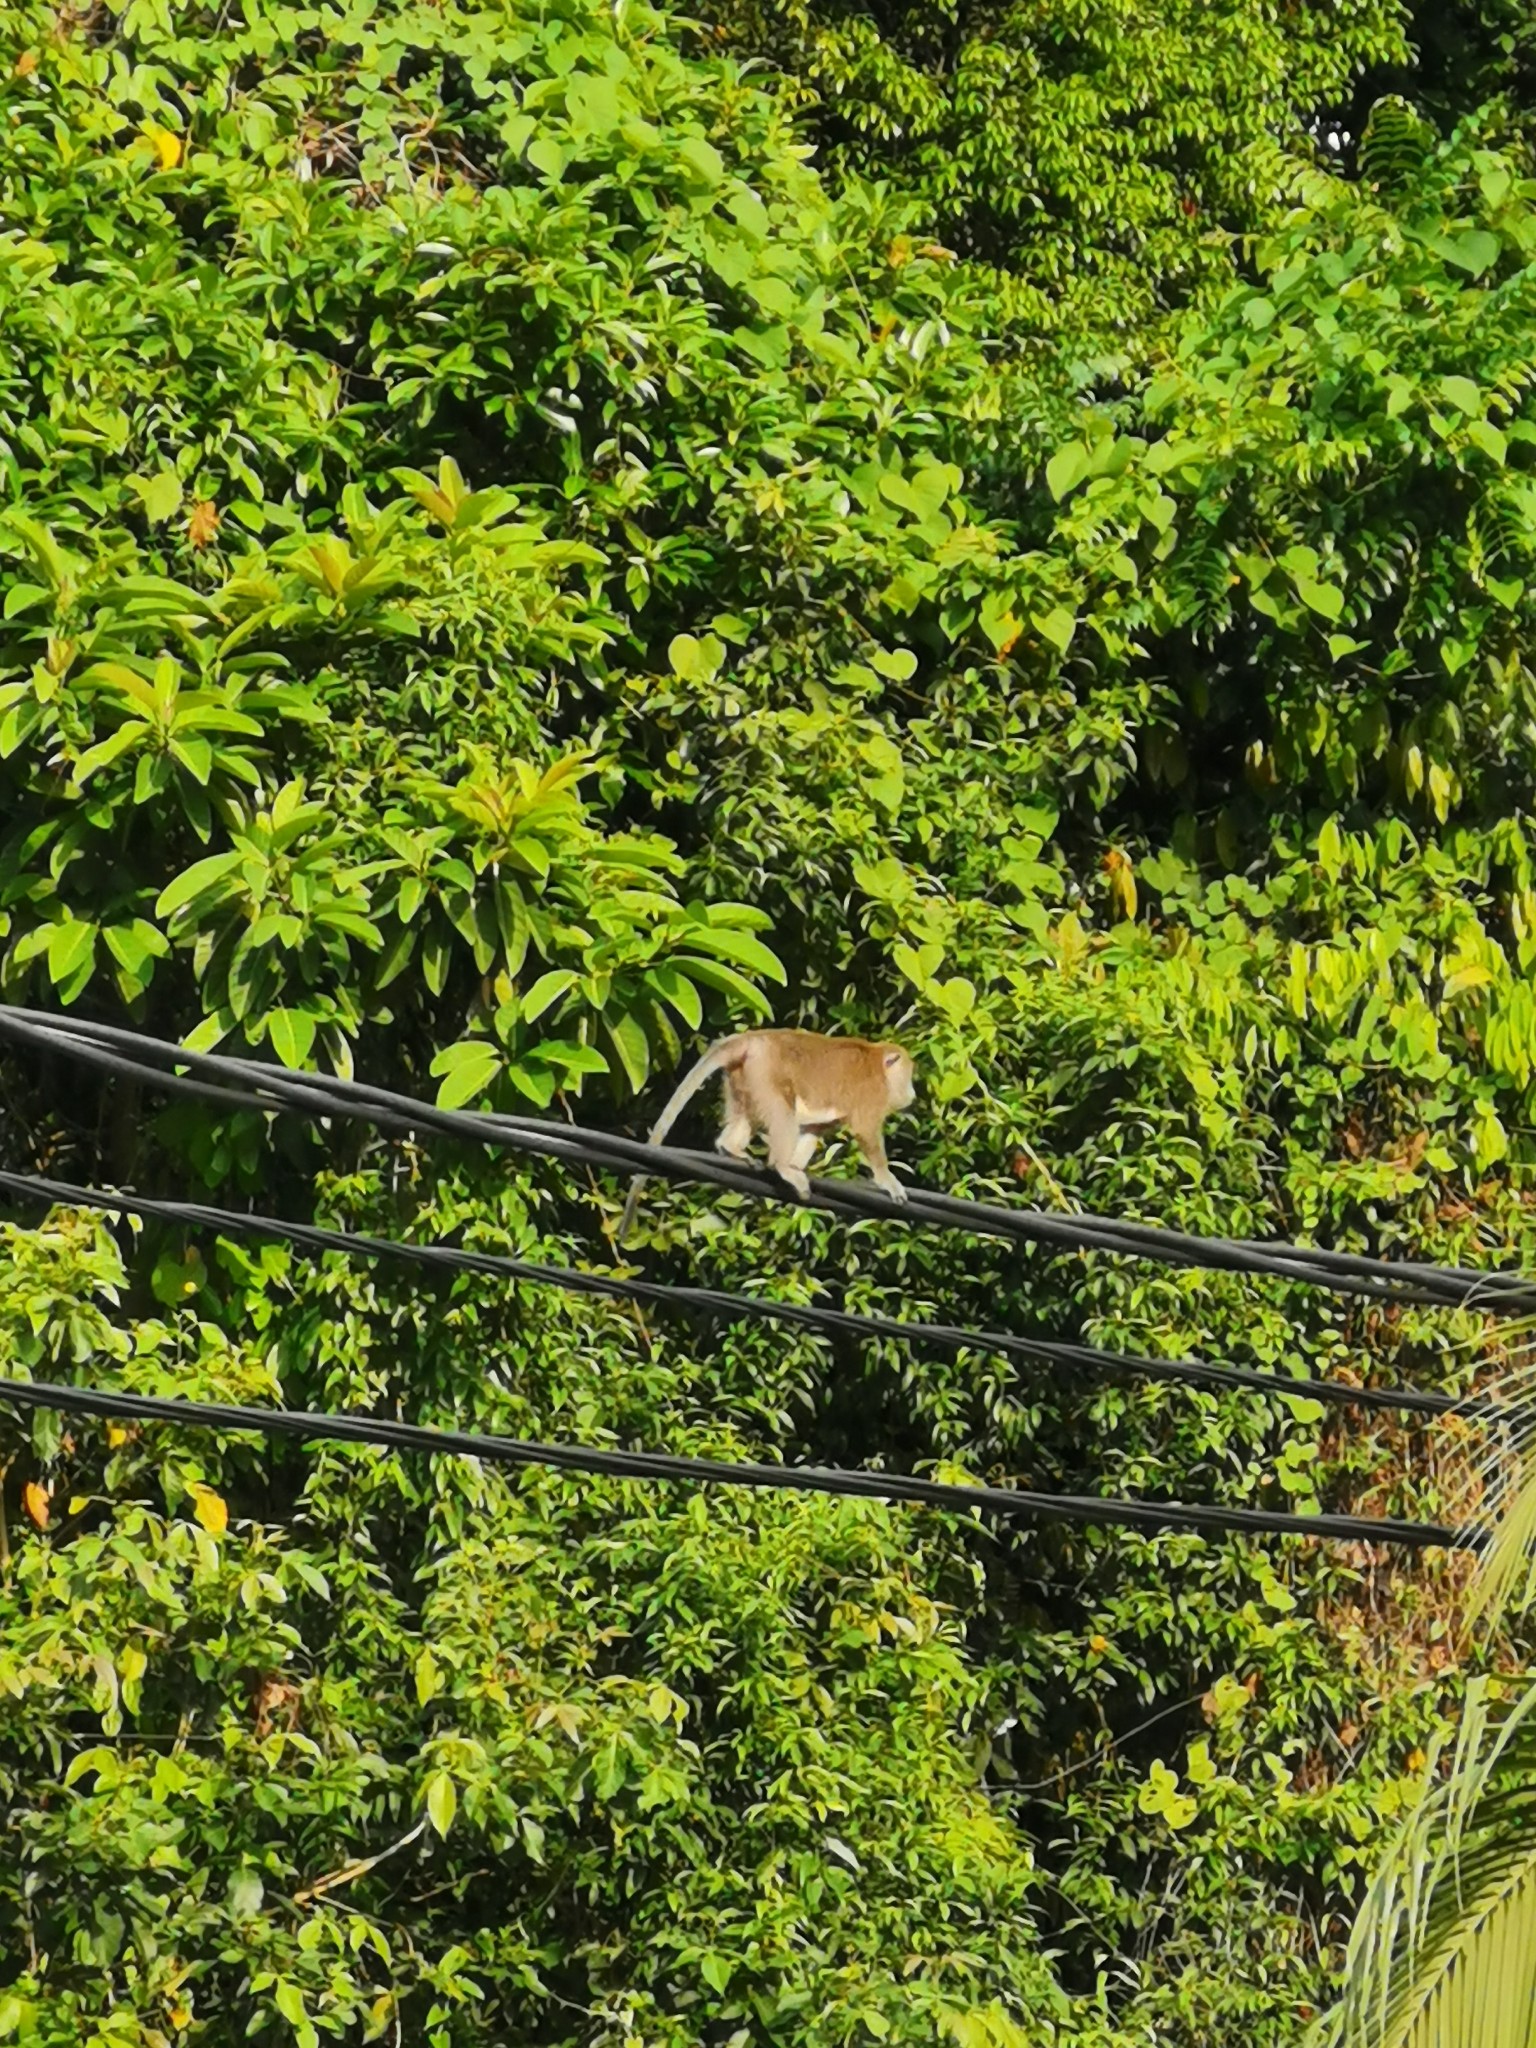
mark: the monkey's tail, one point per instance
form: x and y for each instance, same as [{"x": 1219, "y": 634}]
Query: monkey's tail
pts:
[{"x": 709, "y": 1063}]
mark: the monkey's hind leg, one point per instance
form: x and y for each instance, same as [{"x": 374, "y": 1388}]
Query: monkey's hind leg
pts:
[
  {"x": 786, "y": 1141},
  {"x": 735, "y": 1138}
]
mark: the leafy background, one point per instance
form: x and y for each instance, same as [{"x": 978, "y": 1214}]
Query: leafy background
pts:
[{"x": 536, "y": 533}]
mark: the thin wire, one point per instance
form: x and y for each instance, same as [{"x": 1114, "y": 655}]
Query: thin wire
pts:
[
  {"x": 269, "y": 1089},
  {"x": 1007, "y": 1502},
  {"x": 746, "y": 1307}
]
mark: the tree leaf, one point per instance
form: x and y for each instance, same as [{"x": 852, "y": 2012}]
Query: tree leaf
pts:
[
  {"x": 739, "y": 946},
  {"x": 468, "y": 1070},
  {"x": 209, "y": 1507},
  {"x": 442, "y": 1802},
  {"x": 292, "y": 1033},
  {"x": 1475, "y": 250},
  {"x": 160, "y": 495},
  {"x": 1058, "y": 626},
  {"x": 1463, "y": 394},
  {"x": 71, "y": 950},
  {"x": 1323, "y": 598},
  {"x": 429, "y": 1678},
  {"x": 695, "y": 661},
  {"x": 106, "y": 751},
  {"x": 203, "y": 877},
  {"x": 548, "y": 989},
  {"x": 632, "y": 1047},
  {"x": 1066, "y": 469},
  {"x": 203, "y": 523}
]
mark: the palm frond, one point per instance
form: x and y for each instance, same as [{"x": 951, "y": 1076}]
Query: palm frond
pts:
[
  {"x": 1444, "y": 1952},
  {"x": 1505, "y": 1480},
  {"x": 1505, "y": 1577}
]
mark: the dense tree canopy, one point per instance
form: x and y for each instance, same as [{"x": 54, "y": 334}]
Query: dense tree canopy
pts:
[{"x": 516, "y": 559}]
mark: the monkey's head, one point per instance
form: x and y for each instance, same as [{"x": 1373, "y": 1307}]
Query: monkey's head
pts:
[{"x": 900, "y": 1082}]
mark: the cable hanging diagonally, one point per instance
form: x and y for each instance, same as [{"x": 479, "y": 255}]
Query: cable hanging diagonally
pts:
[
  {"x": 1003, "y": 1502},
  {"x": 714, "y": 1302},
  {"x": 268, "y": 1089}
]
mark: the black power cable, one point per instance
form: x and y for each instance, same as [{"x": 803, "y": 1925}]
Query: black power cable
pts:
[
  {"x": 999, "y": 1501},
  {"x": 269, "y": 1089},
  {"x": 710, "y": 1301}
]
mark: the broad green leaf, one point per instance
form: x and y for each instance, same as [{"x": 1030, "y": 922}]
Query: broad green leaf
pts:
[
  {"x": 292, "y": 1033},
  {"x": 106, "y": 751},
  {"x": 289, "y": 2000},
  {"x": 442, "y": 1801},
  {"x": 204, "y": 877},
  {"x": 725, "y": 980},
  {"x": 1058, "y": 625},
  {"x": 899, "y": 663},
  {"x": 741, "y": 947},
  {"x": 632, "y": 1047},
  {"x": 467, "y": 1070},
  {"x": 1066, "y": 469},
  {"x": 71, "y": 949},
  {"x": 536, "y": 1082},
  {"x": 675, "y": 988},
  {"x": 1463, "y": 394},
  {"x": 999, "y": 621},
  {"x": 695, "y": 660},
  {"x": 546, "y": 155},
  {"x": 702, "y": 158},
  {"x": 1474, "y": 250},
  {"x": 429, "y": 1679},
  {"x": 546, "y": 990},
  {"x": 160, "y": 495}
]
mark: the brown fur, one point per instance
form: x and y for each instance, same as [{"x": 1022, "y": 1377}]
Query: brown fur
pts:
[{"x": 795, "y": 1086}]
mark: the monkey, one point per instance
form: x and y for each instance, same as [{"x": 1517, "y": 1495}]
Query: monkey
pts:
[{"x": 795, "y": 1086}]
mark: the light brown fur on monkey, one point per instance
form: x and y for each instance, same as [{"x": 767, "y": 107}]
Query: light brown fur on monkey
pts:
[{"x": 795, "y": 1086}]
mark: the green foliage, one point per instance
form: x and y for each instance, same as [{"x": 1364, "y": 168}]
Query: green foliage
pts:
[
  {"x": 302, "y": 1759},
  {"x": 1105, "y": 161},
  {"x": 508, "y": 573}
]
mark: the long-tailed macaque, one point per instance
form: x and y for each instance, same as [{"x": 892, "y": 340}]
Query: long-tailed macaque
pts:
[{"x": 795, "y": 1086}]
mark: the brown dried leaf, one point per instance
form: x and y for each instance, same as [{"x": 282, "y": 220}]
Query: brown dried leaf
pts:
[{"x": 202, "y": 522}]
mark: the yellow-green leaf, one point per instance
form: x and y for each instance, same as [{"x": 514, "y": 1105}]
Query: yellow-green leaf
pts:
[{"x": 209, "y": 1508}]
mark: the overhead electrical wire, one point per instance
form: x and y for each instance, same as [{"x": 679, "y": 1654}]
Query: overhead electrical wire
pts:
[
  {"x": 715, "y": 1302},
  {"x": 1003, "y": 1502},
  {"x": 260, "y": 1086},
  {"x": 246, "y": 1084}
]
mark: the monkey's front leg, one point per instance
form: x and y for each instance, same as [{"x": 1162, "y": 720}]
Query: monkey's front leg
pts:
[{"x": 872, "y": 1144}]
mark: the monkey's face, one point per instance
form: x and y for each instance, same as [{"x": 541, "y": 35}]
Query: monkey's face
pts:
[{"x": 900, "y": 1078}]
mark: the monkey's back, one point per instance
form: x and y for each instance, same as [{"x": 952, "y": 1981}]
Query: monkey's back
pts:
[{"x": 825, "y": 1078}]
